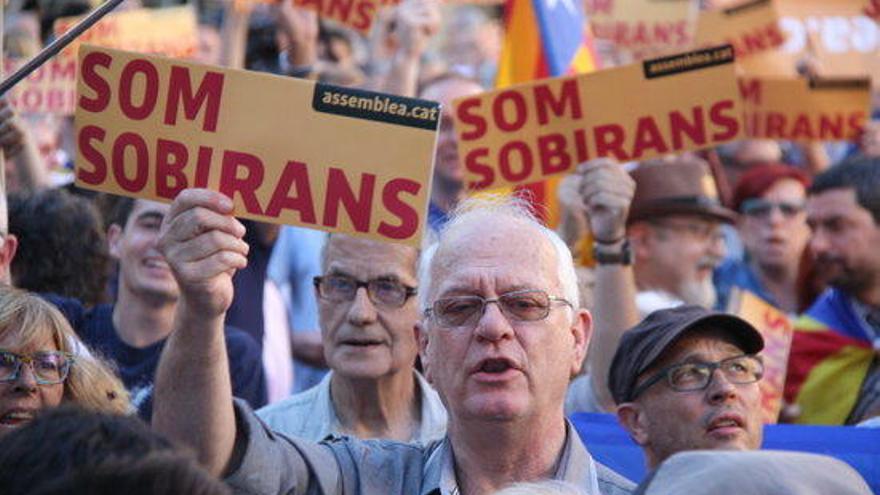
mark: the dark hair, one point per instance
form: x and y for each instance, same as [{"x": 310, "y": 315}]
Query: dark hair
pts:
[
  {"x": 861, "y": 174},
  {"x": 62, "y": 246},
  {"x": 69, "y": 450}
]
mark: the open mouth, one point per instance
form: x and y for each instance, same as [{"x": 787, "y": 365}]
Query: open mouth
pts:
[
  {"x": 725, "y": 423},
  {"x": 17, "y": 418}
]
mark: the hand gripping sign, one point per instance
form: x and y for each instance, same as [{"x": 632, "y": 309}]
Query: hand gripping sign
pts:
[
  {"x": 525, "y": 133},
  {"x": 285, "y": 150}
]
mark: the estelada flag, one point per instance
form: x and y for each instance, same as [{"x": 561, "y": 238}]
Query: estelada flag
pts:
[
  {"x": 544, "y": 38},
  {"x": 826, "y": 369}
]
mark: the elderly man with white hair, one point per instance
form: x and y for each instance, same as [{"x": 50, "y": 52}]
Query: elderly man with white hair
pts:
[{"x": 500, "y": 337}]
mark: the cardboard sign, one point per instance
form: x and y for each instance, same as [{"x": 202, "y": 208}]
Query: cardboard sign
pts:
[
  {"x": 169, "y": 31},
  {"x": 797, "y": 109},
  {"x": 527, "y": 132},
  {"x": 750, "y": 27},
  {"x": 645, "y": 28},
  {"x": 285, "y": 150},
  {"x": 844, "y": 41},
  {"x": 356, "y": 14},
  {"x": 49, "y": 89},
  {"x": 777, "y": 331}
]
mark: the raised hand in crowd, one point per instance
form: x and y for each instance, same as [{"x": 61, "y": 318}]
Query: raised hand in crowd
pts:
[
  {"x": 202, "y": 243},
  {"x": 606, "y": 191},
  {"x": 28, "y": 172},
  {"x": 298, "y": 31},
  {"x": 413, "y": 24}
]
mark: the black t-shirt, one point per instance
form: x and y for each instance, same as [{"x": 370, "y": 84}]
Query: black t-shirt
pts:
[{"x": 137, "y": 366}]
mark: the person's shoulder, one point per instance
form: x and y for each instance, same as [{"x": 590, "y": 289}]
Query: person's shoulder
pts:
[
  {"x": 613, "y": 483},
  {"x": 294, "y": 406}
]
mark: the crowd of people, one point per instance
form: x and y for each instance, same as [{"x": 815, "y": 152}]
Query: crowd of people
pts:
[{"x": 161, "y": 348}]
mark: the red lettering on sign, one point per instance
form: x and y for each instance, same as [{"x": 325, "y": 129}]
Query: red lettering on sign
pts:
[
  {"x": 856, "y": 124},
  {"x": 729, "y": 123},
  {"x": 553, "y": 155},
  {"x": 609, "y": 141},
  {"x": 506, "y": 162},
  {"x": 547, "y": 105},
  {"x": 466, "y": 117},
  {"x": 750, "y": 90},
  {"x": 648, "y": 137},
  {"x": 208, "y": 96},
  {"x": 365, "y": 13},
  {"x": 141, "y": 162},
  {"x": 171, "y": 158},
  {"x": 95, "y": 82},
  {"x": 520, "y": 114},
  {"x": 294, "y": 175},
  {"x": 150, "y": 93},
  {"x": 694, "y": 129},
  {"x": 203, "y": 166},
  {"x": 831, "y": 127},
  {"x": 775, "y": 125},
  {"x": 409, "y": 217},
  {"x": 86, "y": 135},
  {"x": 357, "y": 208},
  {"x": 231, "y": 183},
  {"x": 475, "y": 163},
  {"x": 802, "y": 128}
]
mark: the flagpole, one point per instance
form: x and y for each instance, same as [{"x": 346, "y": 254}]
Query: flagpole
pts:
[{"x": 56, "y": 46}]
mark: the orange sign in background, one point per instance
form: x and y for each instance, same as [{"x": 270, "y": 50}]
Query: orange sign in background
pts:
[
  {"x": 644, "y": 28},
  {"x": 285, "y": 150},
  {"x": 777, "y": 331},
  {"x": 751, "y": 27},
  {"x": 49, "y": 89},
  {"x": 798, "y": 109},
  {"x": 527, "y": 132},
  {"x": 169, "y": 31}
]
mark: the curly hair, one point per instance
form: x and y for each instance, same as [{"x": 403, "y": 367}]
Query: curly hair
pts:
[
  {"x": 62, "y": 246},
  {"x": 92, "y": 384}
]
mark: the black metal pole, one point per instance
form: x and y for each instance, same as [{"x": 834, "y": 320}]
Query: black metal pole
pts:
[{"x": 56, "y": 46}]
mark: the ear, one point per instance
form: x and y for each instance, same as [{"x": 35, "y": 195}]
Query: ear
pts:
[
  {"x": 7, "y": 253},
  {"x": 114, "y": 233},
  {"x": 422, "y": 337},
  {"x": 632, "y": 417},
  {"x": 582, "y": 330}
]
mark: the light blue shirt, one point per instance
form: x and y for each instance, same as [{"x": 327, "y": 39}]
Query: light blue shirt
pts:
[{"x": 311, "y": 415}]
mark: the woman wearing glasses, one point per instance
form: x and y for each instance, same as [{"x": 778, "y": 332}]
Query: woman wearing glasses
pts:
[
  {"x": 773, "y": 227},
  {"x": 43, "y": 364}
]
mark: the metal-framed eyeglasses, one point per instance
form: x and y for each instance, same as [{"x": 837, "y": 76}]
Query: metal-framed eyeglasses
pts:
[
  {"x": 518, "y": 305},
  {"x": 387, "y": 292},
  {"x": 689, "y": 377},
  {"x": 49, "y": 367}
]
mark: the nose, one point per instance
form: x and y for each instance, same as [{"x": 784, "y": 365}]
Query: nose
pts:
[
  {"x": 818, "y": 242},
  {"x": 493, "y": 326},
  {"x": 720, "y": 390},
  {"x": 362, "y": 312},
  {"x": 716, "y": 247},
  {"x": 27, "y": 380}
]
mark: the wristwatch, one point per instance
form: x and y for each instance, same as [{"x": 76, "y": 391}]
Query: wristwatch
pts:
[{"x": 609, "y": 255}]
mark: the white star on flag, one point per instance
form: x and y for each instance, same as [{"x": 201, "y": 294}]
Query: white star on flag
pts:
[{"x": 569, "y": 6}]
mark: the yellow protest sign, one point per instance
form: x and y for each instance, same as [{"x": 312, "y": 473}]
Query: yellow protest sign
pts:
[
  {"x": 285, "y": 150},
  {"x": 524, "y": 133},
  {"x": 777, "y": 330},
  {"x": 356, "y": 14},
  {"x": 797, "y": 109},
  {"x": 750, "y": 27},
  {"x": 49, "y": 89},
  {"x": 843, "y": 41},
  {"x": 168, "y": 31},
  {"x": 645, "y": 28}
]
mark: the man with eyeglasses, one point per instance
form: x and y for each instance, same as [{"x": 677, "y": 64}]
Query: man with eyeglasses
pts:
[
  {"x": 367, "y": 313},
  {"x": 674, "y": 233},
  {"x": 686, "y": 378},
  {"x": 774, "y": 232},
  {"x": 500, "y": 337}
]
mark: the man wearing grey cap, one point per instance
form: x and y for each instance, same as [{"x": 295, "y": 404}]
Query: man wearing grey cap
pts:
[{"x": 686, "y": 378}]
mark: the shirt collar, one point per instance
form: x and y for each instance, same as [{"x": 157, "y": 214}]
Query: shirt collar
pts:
[{"x": 575, "y": 466}]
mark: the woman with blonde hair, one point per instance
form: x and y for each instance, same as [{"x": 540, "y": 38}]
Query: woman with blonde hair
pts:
[{"x": 43, "y": 364}]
